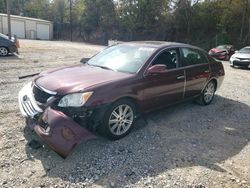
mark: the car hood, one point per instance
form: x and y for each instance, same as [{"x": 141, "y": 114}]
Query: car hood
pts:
[
  {"x": 241, "y": 55},
  {"x": 216, "y": 50},
  {"x": 76, "y": 78}
]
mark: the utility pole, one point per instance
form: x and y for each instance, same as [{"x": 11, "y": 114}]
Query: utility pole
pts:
[
  {"x": 8, "y": 13},
  {"x": 70, "y": 15}
]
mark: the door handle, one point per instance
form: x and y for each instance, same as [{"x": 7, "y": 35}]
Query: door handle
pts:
[
  {"x": 207, "y": 71},
  {"x": 180, "y": 77}
]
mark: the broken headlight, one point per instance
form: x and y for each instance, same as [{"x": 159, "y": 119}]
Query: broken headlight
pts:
[{"x": 75, "y": 99}]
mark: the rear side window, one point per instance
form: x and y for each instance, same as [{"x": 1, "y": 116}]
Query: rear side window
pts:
[{"x": 192, "y": 57}]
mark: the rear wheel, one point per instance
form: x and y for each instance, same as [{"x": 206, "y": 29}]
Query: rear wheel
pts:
[
  {"x": 118, "y": 120},
  {"x": 3, "y": 51},
  {"x": 208, "y": 94}
]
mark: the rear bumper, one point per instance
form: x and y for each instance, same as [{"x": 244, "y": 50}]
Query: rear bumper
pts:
[{"x": 55, "y": 128}]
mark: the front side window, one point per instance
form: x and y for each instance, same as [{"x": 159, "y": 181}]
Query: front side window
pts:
[
  {"x": 122, "y": 58},
  {"x": 168, "y": 58},
  {"x": 192, "y": 57}
]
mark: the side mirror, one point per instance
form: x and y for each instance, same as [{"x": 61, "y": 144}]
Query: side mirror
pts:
[
  {"x": 157, "y": 69},
  {"x": 84, "y": 60}
]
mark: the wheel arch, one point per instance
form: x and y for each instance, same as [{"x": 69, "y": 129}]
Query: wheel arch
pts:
[
  {"x": 133, "y": 100},
  {"x": 215, "y": 82},
  {"x": 211, "y": 80},
  {"x": 5, "y": 47}
]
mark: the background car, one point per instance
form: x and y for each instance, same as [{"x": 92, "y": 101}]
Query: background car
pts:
[
  {"x": 222, "y": 52},
  {"x": 241, "y": 58},
  {"x": 8, "y": 45}
]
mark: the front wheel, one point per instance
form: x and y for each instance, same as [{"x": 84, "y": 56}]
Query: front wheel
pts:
[
  {"x": 208, "y": 94},
  {"x": 118, "y": 120},
  {"x": 3, "y": 51}
]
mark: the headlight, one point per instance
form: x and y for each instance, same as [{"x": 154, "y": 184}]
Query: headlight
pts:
[
  {"x": 75, "y": 99},
  {"x": 232, "y": 58}
]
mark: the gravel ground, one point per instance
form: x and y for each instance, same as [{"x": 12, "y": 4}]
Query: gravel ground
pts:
[{"x": 181, "y": 146}]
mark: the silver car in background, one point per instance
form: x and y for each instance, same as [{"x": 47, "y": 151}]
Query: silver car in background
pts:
[
  {"x": 241, "y": 58},
  {"x": 8, "y": 45}
]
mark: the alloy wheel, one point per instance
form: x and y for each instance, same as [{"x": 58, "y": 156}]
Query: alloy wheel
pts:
[
  {"x": 209, "y": 92},
  {"x": 3, "y": 51},
  {"x": 121, "y": 119}
]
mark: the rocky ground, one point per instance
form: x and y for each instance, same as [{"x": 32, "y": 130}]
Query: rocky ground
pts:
[{"x": 182, "y": 146}]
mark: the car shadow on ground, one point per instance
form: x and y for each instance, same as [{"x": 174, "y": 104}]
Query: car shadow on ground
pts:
[
  {"x": 242, "y": 68},
  {"x": 181, "y": 136},
  {"x": 10, "y": 57}
]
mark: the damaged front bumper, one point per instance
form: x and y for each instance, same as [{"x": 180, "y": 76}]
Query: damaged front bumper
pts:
[{"x": 58, "y": 130}]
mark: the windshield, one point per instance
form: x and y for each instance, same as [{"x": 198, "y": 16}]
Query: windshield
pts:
[
  {"x": 122, "y": 58},
  {"x": 245, "y": 50},
  {"x": 227, "y": 47},
  {"x": 4, "y": 36}
]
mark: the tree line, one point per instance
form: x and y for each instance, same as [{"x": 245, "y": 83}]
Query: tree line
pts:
[{"x": 205, "y": 23}]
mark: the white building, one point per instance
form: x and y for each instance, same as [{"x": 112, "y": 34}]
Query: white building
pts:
[{"x": 25, "y": 27}]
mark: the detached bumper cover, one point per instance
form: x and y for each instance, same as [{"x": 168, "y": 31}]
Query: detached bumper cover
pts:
[{"x": 60, "y": 132}]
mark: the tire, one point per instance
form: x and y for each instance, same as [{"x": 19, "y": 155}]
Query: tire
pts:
[
  {"x": 207, "y": 94},
  {"x": 118, "y": 120},
  {"x": 231, "y": 64},
  {"x": 3, "y": 51}
]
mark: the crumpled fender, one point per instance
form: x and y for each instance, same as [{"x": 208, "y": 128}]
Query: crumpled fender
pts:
[{"x": 62, "y": 134}]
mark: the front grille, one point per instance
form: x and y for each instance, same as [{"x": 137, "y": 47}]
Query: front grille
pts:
[
  {"x": 40, "y": 95},
  {"x": 242, "y": 62},
  {"x": 28, "y": 106}
]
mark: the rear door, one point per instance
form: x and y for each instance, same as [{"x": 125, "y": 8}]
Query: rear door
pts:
[
  {"x": 197, "y": 70},
  {"x": 167, "y": 87}
]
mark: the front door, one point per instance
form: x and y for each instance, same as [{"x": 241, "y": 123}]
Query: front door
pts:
[{"x": 167, "y": 87}]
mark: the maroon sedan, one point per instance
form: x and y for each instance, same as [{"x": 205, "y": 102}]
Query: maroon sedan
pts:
[
  {"x": 108, "y": 92},
  {"x": 222, "y": 52}
]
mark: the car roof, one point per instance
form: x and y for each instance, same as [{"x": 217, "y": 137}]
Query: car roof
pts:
[{"x": 162, "y": 44}]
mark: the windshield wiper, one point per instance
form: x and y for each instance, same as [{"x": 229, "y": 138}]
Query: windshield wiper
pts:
[{"x": 103, "y": 67}]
